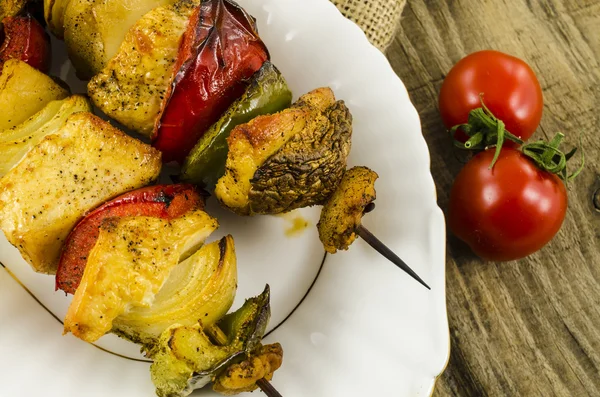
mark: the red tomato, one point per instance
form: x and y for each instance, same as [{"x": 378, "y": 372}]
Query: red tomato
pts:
[
  {"x": 510, "y": 90},
  {"x": 508, "y": 212}
]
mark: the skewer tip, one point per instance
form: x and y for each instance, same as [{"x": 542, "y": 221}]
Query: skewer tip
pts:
[{"x": 380, "y": 247}]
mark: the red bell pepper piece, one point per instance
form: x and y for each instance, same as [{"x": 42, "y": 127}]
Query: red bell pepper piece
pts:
[
  {"x": 24, "y": 38},
  {"x": 220, "y": 52}
]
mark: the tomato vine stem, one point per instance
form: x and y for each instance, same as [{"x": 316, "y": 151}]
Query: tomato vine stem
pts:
[
  {"x": 484, "y": 130},
  {"x": 549, "y": 157}
]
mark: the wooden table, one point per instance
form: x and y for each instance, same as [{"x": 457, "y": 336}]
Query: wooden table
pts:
[{"x": 530, "y": 327}]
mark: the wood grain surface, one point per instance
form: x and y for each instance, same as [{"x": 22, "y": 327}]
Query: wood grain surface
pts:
[{"x": 529, "y": 327}]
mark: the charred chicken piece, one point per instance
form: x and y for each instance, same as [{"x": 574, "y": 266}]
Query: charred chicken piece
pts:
[
  {"x": 288, "y": 160},
  {"x": 242, "y": 377},
  {"x": 343, "y": 213}
]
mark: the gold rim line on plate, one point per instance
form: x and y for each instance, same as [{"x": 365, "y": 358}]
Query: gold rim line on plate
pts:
[
  {"x": 11, "y": 274},
  {"x": 14, "y": 277}
]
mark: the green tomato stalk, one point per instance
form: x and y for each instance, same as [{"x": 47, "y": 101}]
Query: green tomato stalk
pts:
[{"x": 485, "y": 130}]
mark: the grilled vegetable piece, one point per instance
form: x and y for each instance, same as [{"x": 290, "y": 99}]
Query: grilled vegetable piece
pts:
[
  {"x": 54, "y": 14},
  {"x": 26, "y": 40},
  {"x": 86, "y": 162},
  {"x": 200, "y": 289},
  {"x": 130, "y": 262},
  {"x": 242, "y": 377},
  {"x": 221, "y": 50},
  {"x": 95, "y": 29},
  {"x": 161, "y": 201},
  {"x": 343, "y": 212},
  {"x": 17, "y": 141},
  {"x": 267, "y": 93},
  {"x": 136, "y": 82},
  {"x": 24, "y": 91},
  {"x": 185, "y": 358},
  {"x": 11, "y": 8},
  {"x": 307, "y": 169},
  {"x": 288, "y": 160}
]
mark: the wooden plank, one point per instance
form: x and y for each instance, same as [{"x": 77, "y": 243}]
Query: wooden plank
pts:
[{"x": 529, "y": 327}]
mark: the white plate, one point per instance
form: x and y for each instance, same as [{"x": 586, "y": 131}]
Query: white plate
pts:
[{"x": 364, "y": 328}]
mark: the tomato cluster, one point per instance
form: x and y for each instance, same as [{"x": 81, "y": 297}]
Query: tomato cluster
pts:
[{"x": 505, "y": 203}]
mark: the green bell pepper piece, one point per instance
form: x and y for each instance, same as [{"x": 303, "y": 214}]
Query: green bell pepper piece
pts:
[{"x": 267, "y": 93}]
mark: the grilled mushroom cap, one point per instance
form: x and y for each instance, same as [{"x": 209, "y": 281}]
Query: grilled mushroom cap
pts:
[
  {"x": 308, "y": 168},
  {"x": 343, "y": 212},
  {"x": 288, "y": 160}
]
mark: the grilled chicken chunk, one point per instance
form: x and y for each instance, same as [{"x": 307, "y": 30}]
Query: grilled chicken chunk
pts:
[
  {"x": 288, "y": 160},
  {"x": 130, "y": 262},
  {"x": 85, "y": 163},
  {"x": 344, "y": 211},
  {"x": 135, "y": 82}
]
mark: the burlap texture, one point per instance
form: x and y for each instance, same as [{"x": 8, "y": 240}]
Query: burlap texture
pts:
[{"x": 378, "y": 18}]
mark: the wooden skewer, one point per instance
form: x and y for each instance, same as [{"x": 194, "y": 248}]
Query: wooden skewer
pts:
[
  {"x": 220, "y": 338},
  {"x": 384, "y": 250},
  {"x": 268, "y": 388}
]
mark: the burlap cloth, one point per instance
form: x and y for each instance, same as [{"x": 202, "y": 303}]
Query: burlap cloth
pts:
[{"x": 378, "y": 18}]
